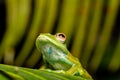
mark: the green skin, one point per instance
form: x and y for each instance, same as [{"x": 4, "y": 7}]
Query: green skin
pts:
[{"x": 56, "y": 55}]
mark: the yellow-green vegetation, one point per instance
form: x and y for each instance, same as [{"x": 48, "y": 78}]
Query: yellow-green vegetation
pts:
[{"x": 91, "y": 27}]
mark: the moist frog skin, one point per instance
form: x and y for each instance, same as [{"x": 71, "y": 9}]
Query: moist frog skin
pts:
[{"x": 56, "y": 55}]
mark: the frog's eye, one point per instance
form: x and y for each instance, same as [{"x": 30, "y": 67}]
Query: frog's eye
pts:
[{"x": 61, "y": 37}]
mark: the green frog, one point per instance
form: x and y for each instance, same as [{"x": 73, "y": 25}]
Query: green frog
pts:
[{"x": 57, "y": 57}]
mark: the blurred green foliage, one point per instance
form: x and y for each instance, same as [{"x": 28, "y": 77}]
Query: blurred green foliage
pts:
[{"x": 92, "y": 29}]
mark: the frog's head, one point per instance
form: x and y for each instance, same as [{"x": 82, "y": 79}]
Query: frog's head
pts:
[
  {"x": 54, "y": 50},
  {"x": 56, "y": 42}
]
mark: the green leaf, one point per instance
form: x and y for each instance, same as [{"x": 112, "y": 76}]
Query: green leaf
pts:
[{"x": 8, "y": 72}]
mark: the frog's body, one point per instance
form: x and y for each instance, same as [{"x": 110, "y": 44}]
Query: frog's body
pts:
[{"x": 55, "y": 54}]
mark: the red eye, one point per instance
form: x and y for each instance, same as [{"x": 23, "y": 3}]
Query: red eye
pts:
[{"x": 61, "y": 37}]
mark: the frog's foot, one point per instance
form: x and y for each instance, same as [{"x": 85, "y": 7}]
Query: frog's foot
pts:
[
  {"x": 59, "y": 71},
  {"x": 55, "y": 71}
]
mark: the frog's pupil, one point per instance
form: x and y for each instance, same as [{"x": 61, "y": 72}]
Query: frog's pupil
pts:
[{"x": 61, "y": 35}]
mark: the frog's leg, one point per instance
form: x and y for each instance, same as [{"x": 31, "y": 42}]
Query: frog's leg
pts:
[
  {"x": 78, "y": 71},
  {"x": 72, "y": 70},
  {"x": 75, "y": 65}
]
